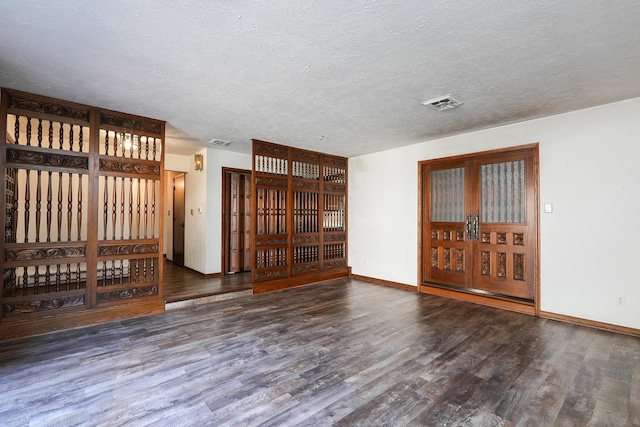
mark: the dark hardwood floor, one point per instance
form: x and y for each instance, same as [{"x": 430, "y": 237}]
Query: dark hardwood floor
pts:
[
  {"x": 345, "y": 353},
  {"x": 181, "y": 283}
]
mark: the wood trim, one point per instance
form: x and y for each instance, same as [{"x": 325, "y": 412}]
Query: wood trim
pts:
[
  {"x": 478, "y": 299},
  {"x": 385, "y": 283},
  {"x": 469, "y": 156},
  {"x": 290, "y": 282},
  {"x": 9, "y": 330},
  {"x": 590, "y": 323}
]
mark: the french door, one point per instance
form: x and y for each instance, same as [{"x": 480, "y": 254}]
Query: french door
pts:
[{"x": 480, "y": 222}]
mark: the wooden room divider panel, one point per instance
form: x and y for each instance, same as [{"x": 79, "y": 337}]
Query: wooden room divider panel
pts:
[
  {"x": 300, "y": 214},
  {"x": 82, "y": 221}
]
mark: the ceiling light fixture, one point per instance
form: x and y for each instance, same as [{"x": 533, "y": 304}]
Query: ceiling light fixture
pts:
[{"x": 442, "y": 103}]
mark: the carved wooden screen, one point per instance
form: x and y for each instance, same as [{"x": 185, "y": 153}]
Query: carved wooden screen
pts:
[
  {"x": 300, "y": 216},
  {"x": 82, "y": 209}
]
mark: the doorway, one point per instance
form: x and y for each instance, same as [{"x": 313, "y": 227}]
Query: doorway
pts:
[
  {"x": 480, "y": 225},
  {"x": 178, "y": 220},
  {"x": 236, "y": 228}
]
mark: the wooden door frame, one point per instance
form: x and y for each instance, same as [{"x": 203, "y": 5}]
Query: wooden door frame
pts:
[
  {"x": 478, "y": 297},
  {"x": 225, "y": 205}
]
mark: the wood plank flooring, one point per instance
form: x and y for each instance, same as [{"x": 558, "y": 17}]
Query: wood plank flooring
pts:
[
  {"x": 181, "y": 284},
  {"x": 345, "y": 353}
]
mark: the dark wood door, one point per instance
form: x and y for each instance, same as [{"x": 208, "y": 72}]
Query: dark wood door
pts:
[
  {"x": 481, "y": 222},
  {"x": 178, "y": 220},
  {"x": 237, "y": 221}
]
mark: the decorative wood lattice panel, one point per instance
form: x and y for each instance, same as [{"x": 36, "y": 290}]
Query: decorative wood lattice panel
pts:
[
  {"x": 300, "y": 212},
  {"x": 82, "y": 191}
]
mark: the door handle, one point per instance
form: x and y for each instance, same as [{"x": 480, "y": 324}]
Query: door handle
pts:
[
  {"x": 469, "y": 236},
  {"x": 476, "y": 226}
]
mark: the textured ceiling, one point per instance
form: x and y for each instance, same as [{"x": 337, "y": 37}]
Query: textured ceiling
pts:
[{"x": 291, "y": 71}]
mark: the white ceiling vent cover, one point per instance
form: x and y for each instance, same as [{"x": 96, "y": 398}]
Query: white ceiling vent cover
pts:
[
  {"x": 219, "y": 142},
  {"x": 442, "y": 103}
]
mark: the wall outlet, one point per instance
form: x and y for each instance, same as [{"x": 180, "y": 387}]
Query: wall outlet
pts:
[{"x": 620, "y": 301}]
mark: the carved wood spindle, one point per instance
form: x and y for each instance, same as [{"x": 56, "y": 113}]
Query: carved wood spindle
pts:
[
  {"x": 121, "y": 272},
  {"x": 16, "y": 130},
  {"x": 137, "y": 276},
  {"x": 106, "y": 142},
  {"x": 69, "y": 207},
  {"x": 130, "y": 208},
  {"x": 78, "y": 275},
  {"x": 152, "y": 272},
  {"x": 153, "y": 209},
  {"x": 50, "y": 134},
  {"x": 36, "y": 280},
  {"x": 104, "y": 273},
  {"x": 79, "y": 218},
  {"x": 27, "y": 202},
  {"x": 68, "y": 277},
  {"x": 105, "y": 207},
  {"x": 47, "y": 279},
  {"x": 312, "y": 212},
  {"x": 39, "y": 132},
  {"x": 58, "y": 277},
  {"x": 144, "y": 269},
  {"x": 38, "y": 204},
  {"x": 146, "y": 149},
  {"x": 71, "y": 137},
  {"x": 61, "y": 137},
  {"x": 138, "y": 210},
  {"x": 25, "y": 281},
  {"x": 13, "y": 283},
  {"x": 80, "y": 139},
  {"x": 59, "y": 206},
  {"x": 154, "y": 149},
  {"x": 113, "y": 273},
  {"x": 146, "y": 207},
  {"x": 122, "y": 211},
  {"x": 49, "y": 206},
  {"x": 29, "y": 131},
  {"x": 115, "y": 144},
  {"x": 114, "y": 208}
]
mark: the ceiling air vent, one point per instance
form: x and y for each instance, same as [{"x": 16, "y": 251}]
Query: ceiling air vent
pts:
[
  {"x": 442, "y": 103},
  {"x": 219, "y": 142}
]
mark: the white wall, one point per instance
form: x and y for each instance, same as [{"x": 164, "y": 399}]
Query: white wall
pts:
[
  {"x": 203, "y": 205},
  {"x": 588, "y": 170}
]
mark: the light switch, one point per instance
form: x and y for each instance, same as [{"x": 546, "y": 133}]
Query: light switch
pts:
[{"x": 548, "y": 207}]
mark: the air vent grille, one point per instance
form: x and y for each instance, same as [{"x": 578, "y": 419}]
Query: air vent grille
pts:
[
  {"x": 442, "y": 103},
  {"x": 219, "y": 142}
]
